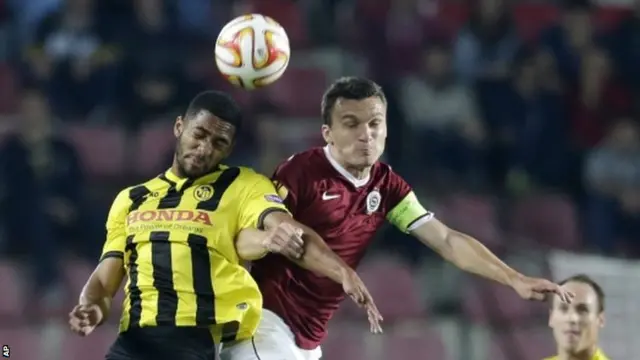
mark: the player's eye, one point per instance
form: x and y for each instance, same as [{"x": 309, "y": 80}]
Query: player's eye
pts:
[
  {"x": 220, "y": 143},
  {"x": 582, "y": 309}
]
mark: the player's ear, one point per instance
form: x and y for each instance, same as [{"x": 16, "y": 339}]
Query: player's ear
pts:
[
  {"x": 178, "y": 127},
  {"x": 229, "y": 149},
  {"x": 326, "y": 134},
  {"x": 601, "y": 320}
]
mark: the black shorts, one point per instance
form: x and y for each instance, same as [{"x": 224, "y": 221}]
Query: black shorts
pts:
[{"x": 163, "y": 343}]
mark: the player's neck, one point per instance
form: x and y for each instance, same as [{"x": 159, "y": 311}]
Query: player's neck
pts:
[
  {"x": 584, "y": 355},
  {"x": 357, "y": 172},
  {"x": 176, "y": 170}
]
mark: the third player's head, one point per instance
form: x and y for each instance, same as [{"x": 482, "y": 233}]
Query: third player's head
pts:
[
  {"x": 576, "y": 326},
  {"x": 354, "y": 111},
  {"x": 205, "y": 133}
]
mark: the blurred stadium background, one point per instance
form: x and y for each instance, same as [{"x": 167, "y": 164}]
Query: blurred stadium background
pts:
[{"x": 516, "y": 121}]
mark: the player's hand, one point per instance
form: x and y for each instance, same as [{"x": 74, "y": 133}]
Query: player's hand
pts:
[
  {"x": 285, "y": 239},
  {"x": 539, "y": 289},
  {"x": 358, "y": 292},
  {"x": 83, "y": 319}
]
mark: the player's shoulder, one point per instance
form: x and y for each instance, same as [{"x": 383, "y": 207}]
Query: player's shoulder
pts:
[
  {"x": 304, "y": 159},
  {"x": 130, "y": 193},
  {"x": 382, "y": 171},
  {"x": 247, "y": 178},
  {"x": 249, "y": 174}
]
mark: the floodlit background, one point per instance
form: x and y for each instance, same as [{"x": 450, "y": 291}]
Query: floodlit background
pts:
[{"x": 516, "y": 122}]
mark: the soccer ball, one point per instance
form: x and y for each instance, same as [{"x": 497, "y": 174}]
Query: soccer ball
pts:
[{"x": 252, "y": 51}]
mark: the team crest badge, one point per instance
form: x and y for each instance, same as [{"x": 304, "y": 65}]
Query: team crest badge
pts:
[
  {"x": 373, "y": 201},
  {"x": 203, "y": 192}
]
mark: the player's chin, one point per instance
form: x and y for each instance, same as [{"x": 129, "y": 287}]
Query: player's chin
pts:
[
  {"x": 193, "y": 171},
  {"x": 368, "y": 159}
]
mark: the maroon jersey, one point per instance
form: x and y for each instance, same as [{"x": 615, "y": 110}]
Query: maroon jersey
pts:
[{"x": 346, "y": 212}]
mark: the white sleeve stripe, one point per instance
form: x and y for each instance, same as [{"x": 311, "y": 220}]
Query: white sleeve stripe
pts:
[{"x": 420, "y": 221}]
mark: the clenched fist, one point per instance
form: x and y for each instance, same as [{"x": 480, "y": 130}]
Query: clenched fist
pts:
[
  {"x": 83, "y": 319},
  {"x": 285, "y": 239}
]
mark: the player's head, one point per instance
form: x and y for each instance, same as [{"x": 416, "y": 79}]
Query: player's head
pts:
[
  {"x": 354, "y": 111},
  {"x": 576, "y": 326},
  {"x": 206, "y": 133}
]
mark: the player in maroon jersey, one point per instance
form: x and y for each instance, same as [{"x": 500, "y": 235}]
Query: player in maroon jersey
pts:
[{"x": 345, "y": 194}]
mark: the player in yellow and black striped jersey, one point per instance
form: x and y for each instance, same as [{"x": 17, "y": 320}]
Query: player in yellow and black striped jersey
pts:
[
  {"x": 165, "y": 228},
  {"x": 179, "y": 239}
]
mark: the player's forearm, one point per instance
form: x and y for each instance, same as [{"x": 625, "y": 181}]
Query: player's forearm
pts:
[
  {"x": 94, "y": 293},
  {"x": 102, "y": 285},
  {"x": 320, "y": 259},
  {"x": 250, "y": 244},
  {"x": 470, "y": 255}
]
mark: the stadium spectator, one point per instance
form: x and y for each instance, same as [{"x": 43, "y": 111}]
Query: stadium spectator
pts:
[
  {"x": 485, "y": 47},
  {"x": 567, "y": 40},
  {"x": 595, "y": 100},
  {"x": 625, "y": 53},
  {"x": 72, "y": 55},
  {"x": 528, "y": 126},
  {"x": 153, "y": 65},
  {"x": 443, "y": 120},
  {"x": 42, "y": 182},
  {"x": 612, "y": 176}
]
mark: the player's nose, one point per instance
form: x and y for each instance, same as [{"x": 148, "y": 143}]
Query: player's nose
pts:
[{"x": 365, "y": 135}]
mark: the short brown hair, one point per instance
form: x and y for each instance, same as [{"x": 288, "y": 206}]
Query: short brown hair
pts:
[
  {"x": 352, "y": 88},
  {"x": 586, "y": 279}
]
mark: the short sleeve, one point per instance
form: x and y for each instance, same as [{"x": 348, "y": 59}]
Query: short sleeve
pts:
[
  {"x": 260, "y": 200},
  {"x": 286, "y": 179},
  {"x": 116, "y": 227},
  {"x": 406, "y": 213}
]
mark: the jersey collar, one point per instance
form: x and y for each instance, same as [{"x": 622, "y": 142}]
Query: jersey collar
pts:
[
  {"x": 171, "y": 176},
  {"x": 352, "y": 179}
]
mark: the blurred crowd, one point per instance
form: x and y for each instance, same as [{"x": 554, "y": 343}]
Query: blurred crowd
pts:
[{"x": 494, "y": 97}]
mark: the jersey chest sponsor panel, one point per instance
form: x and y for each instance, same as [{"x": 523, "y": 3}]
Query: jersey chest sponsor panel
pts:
[{"x": 180, "y": 255}]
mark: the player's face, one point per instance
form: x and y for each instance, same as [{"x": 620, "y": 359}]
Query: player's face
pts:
[
  {"x": 576, "y": 326},
  {"x": 203, "y": 142},
  {"x": 358, "y": 130}
]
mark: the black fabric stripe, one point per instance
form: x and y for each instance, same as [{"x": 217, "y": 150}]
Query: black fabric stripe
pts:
[
  {"x": 112, "y": 254},
  {"x": 163, "y": 278},
  {"x": 135, "y": 300},
  {"x": 171, "y": 200},
  {"x": 255, "y": 349},
  {"x": 223, "y": 182},
  {"x": 138, "y": 196},
  {"x": 230, "y": 331},
  {"x": 164, "y": 178},
  {"x": 264, "y": 214},
  {"x": 418, "y": 218},
  {"x": 202, "y": 282}
]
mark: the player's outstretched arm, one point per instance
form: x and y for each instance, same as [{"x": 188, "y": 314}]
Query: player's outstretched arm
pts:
[
  {"x": 470, "y": 255},
  {"x": 94, "y": 304}
]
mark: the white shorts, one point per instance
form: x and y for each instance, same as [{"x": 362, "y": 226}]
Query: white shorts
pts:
[{"x": 273, "y": 341}]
